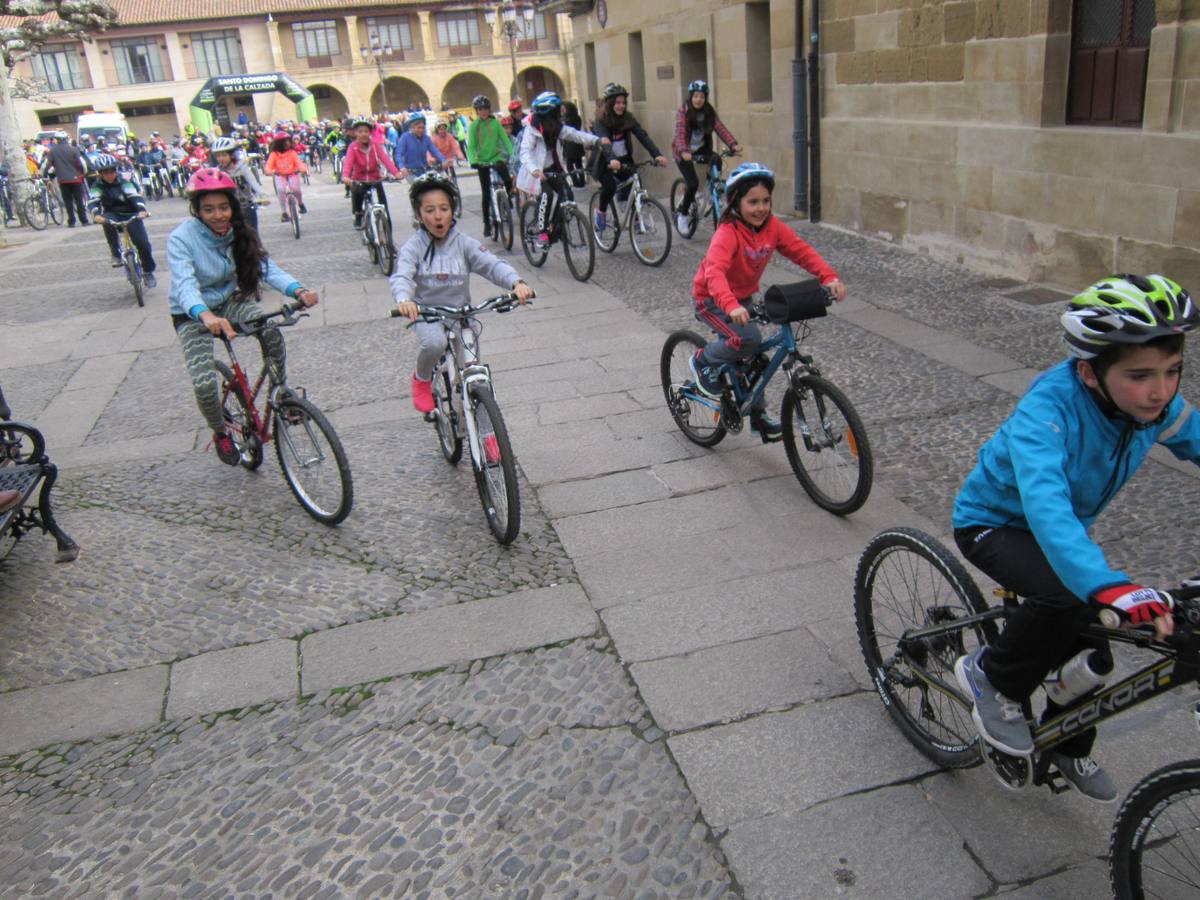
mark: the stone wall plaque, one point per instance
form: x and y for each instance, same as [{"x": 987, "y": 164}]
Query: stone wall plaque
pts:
[{"x": 665, "y": 73}]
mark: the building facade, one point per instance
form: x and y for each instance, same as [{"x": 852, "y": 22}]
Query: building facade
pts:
[
  {"x": 1050, "y": 140},
  {"x": 353, "y": 56}
]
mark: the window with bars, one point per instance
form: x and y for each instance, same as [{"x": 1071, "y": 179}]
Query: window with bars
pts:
[
  {"x": 59, "y": 66},
  {"x": 316, "y": 40},
  {"x": 390, "y": 31},
  {"x": 218, "y": 52},
  {"x": 457, "y": 30},
  {"x": 1110, "y": 47},
  {"x": 138, "y": 60}
]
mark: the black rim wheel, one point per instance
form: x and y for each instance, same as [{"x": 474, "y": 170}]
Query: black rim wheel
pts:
[
  {"x": 699, "y": 422},
  {"x": 579, "y": 246},
  {"x": 313, "y": 461},
  {"x": 444, "y": 421},
  {"x": 535, "y": 254},
  {"x": 505, "y": 219},
  {"x": 1154, "y": 850},
  {"x": 387, "y": 250},
  {"x": 608, "y": 239},
  {"x": 650, "y": 232},
  {"x": 497, "y": 482},
  {"x": 827, "y": 445}
]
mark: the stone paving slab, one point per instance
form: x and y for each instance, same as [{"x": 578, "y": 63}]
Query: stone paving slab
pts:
[
  {"x": 608, "y": 491},
  {"x": 885, "y": 844},
  {"x": 791, "y": 760},
  {"x": 550, "y": 457},
  {"x": 102, "y": 370},
  {"x": 72, "y": 414},
  {"x": 738, "y": 679},
  {"x": 229, "y": 679},
  {"x": 79, "y": 710},
  {"x": 152, "y": 447},
  {"x": 441, "y": 637},
  {"x": 594, "y": 407}
]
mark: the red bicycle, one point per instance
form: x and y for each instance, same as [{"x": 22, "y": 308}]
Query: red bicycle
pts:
[{"x": 310, "y": 453}]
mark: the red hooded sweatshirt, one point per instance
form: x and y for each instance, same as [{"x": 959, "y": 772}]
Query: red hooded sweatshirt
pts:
[{"x": 737, "y": 256}]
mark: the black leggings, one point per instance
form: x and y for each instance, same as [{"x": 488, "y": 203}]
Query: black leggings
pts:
[
  {"x": 609, "y": 187},
  {"x": 1043, "y": 632},
  {"x": 692, "y": 182},
  {"x": 555, "y": 186},
  {"x": 485, "y": 184},
  {"x": 358, "y": 194}
]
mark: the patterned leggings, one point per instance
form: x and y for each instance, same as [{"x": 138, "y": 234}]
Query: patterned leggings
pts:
[
  {"x": 197, "y": 344},
  {"x": 281, "y": 185}
]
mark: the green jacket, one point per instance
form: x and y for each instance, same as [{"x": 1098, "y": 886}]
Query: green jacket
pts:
[{"x": 487, "y": 142}]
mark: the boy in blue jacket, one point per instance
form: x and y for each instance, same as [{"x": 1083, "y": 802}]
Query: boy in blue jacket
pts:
[{"x": 1078, "y": 434}]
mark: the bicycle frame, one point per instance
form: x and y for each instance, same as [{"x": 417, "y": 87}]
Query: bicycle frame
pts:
[{"x": 471, "y": 370}]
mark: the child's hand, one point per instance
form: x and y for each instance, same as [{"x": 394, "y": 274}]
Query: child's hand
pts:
[
  {"x": 408, "y": 309},
  {"x": 740, "y": 315},
  {"x": 837, "y": 289},
  {"x": 523, "y": 291}
]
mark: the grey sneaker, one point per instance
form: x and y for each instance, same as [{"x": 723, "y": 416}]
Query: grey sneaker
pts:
[
  {"x": 150, "y": 280},
  {"x": 1000, "y": 720},
  {"x": 1085, "y": 775}
]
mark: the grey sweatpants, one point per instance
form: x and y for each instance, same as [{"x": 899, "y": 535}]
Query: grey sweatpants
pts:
[
  {"x": 197, "y": 343},
  {"x": 432, "y": 336}
]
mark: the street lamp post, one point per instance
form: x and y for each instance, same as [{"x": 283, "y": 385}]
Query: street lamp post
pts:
[
  {"x": 509, "y": 13},
  {"x": 376, "y": 52}
]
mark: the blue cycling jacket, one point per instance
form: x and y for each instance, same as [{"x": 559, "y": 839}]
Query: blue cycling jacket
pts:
[{"x": 1054, "y": 465}]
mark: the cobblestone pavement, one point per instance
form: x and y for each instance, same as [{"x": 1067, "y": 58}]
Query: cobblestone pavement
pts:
[{"x": 538, "y": 773}]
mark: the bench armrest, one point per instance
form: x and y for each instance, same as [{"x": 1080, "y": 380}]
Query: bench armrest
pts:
[{"x": 20, "y": 444}]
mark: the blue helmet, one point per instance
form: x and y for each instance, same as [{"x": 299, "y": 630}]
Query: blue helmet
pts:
[
  {"x": 749, "y": 173},
  {"x": 545, "y": 102},
  {"x": 698, "y": 85},
  {"x": 105, "y": 161}
]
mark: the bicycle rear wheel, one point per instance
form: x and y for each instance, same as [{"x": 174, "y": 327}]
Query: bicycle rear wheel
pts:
[
  {"x": 1154, "y": 850},
  {"x": 54, "y": 208},
  {"x": 133, "y": 271},
  {"x": 906, "y": 580},
  {"x": 445, "y": 419},
  {"x": 36, "y": 213},
  {"x": 827, "y": 445},
  {"x": 239, "y": 423},
  {"x": 534, "y": 253},
  {"x": 607, "y": 239},
  {"x": 699, "y": 422},
  {"x": 313, "y": 461},
  {"x": 579, "y": 247},
  {"x": 504, "y": 220},
  {"x": 650, "y": 232},
  {"x": 386, "y": 253},
  {"x": 497, "y": 482},
  {"x": 294, "y": 214}
]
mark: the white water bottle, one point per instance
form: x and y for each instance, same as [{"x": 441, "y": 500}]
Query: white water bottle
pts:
[{"x": 1085, "y": 671}]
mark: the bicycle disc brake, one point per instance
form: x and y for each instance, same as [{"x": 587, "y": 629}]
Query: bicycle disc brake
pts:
[{"x": 1014, "y": 772}]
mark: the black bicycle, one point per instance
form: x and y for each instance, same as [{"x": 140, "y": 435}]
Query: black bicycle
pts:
[
  {"x": 918, "y": 611},
  {"x": 564, "y": 224}
]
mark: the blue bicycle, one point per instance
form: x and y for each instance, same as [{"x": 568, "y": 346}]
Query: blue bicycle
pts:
[
  {"x": 708, "y": 200},
  {"x": 825, "y": 441}
]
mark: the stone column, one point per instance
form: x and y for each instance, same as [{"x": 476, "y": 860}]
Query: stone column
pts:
[
  {"x": 179, "y": 68},
  {"x": 427, "y": 36},
  {"x": 95, "y": 64},
  {"x": 355, "y": 40},
  {"x": 276, "y": 47}
]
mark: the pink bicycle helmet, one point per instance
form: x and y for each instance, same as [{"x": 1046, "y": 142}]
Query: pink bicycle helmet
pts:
[
  {"x": 281, "y": 136},
  {"x": 209, "y": 179}
]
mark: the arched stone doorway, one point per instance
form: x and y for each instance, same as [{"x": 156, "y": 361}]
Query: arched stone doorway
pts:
[
  {"x": 400, "y": 93},
  {"x": 331, "y": 103},
  {"x": 465, "y": 87},
  {"x": 534, "y": 80}
]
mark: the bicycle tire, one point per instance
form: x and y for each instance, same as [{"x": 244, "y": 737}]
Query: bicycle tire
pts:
[
  {"x": 536, "y": 255},
  {"x": 55, "y": 208},
  {"x": 1145, "y": 858},
  {"x": 611, "y": 236},
  {"x": 699, "y": 423},
  {"x": 307, "y": 468},
  {"x": 577, "y": 241},
  {"x": 239, "y": 422},
  {"x": 316, "y": 164},
  {"x": 505, "y": 522},
  {"x": 445, "y": 419},
  {"x": 167, "y": 187},
  {"x": 36, "y": 214},
  {"x": 504, "y": 220},
  {"x": 133, "y": 271},
  {"x": 935, "y": 589},
  {"x": 811, "y": 435},
  {"x": 386, "y": 255},
  {"x": 370, "y": 235},
  {"x": 645, "y": 239},
  {"x": 294, "y": 215},
  {"x": 677, "y": 189}
]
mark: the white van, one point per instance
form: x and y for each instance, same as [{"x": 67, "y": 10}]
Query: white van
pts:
[{"x": 102, "y": 126}]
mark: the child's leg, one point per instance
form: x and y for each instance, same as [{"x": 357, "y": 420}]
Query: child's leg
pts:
[
  {"x": 295, "y": 182},
  {"x": 432, "y": 336},
  {"x": 197, "y": 344},
  {"x": 1043, "y": 632}
]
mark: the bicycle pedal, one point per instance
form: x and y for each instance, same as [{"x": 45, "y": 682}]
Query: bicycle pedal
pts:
[{"x": 431, "y": 416}]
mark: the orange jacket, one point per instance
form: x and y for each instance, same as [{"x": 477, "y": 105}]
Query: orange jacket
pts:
[{"x": 286, "y": 163}]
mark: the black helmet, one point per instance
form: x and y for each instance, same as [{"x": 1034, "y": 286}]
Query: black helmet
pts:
[
  {"x": 481, "y": 102},
  {"x": 434, "y": 181},
  {"x": 612, "y": 89}
]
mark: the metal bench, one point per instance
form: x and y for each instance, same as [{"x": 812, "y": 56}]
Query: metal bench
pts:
[{"x": 24, "y": 466}]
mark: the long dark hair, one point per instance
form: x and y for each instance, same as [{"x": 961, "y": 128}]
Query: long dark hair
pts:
[
  {"x": 249, "y": 255},
  {"x": 278, "y": 145},
  {"x": 624, "y": 122},
  {"x": 705, "y": 117},
  {"x": 550, "y": 124}
]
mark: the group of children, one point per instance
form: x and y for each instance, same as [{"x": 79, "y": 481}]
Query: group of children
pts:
[{"x": 1074, "y": 439}]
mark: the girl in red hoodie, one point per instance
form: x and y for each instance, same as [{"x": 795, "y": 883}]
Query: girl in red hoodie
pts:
[{"x": 728, "y": 277}]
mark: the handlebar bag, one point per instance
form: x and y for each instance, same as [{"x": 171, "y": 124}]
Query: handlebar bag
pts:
[{"x": 794, "y": 302}]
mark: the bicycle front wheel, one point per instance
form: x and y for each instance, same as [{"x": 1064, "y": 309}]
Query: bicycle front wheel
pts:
[
  {"x": 294, "y": 214},
  {"x": 386, "y": 254},
  {"x": 827, "y": 445},
  {"x": 496, "y": 480},
  {"x": 504, "y": 220},
  {"x": 905, "y": 581},
  {"x": 699, "y": 422},
  {"x": 650, "y": 232},
  {"x": 445, "y": 420},
  {"x": 313, "y": 461},
  {"x": 133, "y": 272},
  {"x": 54, "y": 208},
  {"x": 1154, "y": 850},
  {"x": 239, "y": 423},
  {"x": 578, "y": 245},
  {"x": 535, "y": 253},
  {"x": 607, "y": 239},
  {"x": 36, "y": 213}
]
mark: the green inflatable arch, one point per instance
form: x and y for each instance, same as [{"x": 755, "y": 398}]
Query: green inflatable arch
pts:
[{"x": 215, "y": 88}]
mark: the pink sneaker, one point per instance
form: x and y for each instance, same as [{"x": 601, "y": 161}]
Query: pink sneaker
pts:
[
  {"x": 491, "y": 449},
  {"x": 422, "y": 393}
]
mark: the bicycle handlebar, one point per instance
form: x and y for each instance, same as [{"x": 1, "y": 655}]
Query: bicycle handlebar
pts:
[
  {"x": 286, "y": 312},
  {"x": 501, "y": 303}
]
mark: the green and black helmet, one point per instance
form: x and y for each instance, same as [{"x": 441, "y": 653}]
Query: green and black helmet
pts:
[{"x": 1126, "y": 309}]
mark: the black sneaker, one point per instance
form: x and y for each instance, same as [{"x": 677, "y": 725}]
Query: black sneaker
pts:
[
  {"x": 358, "y": 223},
  {"x": 303, "y": 210},
  {"x": 226, "y": 451},
  {"x": 767, "y": 428},
  {"x": 487, "y": 230},
  {"x": 708, "y": 381}
]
